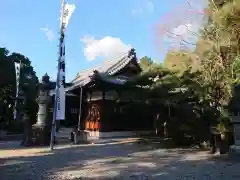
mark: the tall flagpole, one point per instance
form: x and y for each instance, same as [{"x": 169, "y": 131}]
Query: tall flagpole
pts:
[{"x": 61, "y": 65}]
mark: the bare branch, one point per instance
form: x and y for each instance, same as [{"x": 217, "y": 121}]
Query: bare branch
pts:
[{"x": 187, "y": 19}]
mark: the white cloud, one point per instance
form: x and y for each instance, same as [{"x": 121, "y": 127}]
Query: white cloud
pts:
[
  {"x": 105, "y": 47},
  {"x": 186, "y": 34},
  {"x": 146, "y": 6},
  {"x": 182, "y": 30},
  {"x": 49, "y": 33},
  {"x": 187, "y": 31}
]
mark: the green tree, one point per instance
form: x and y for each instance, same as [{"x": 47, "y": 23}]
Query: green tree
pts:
[
  {"x": 145, "y": 62},
  {"x": 218, "y": 51},
  {"x": 28, "y": 83},
  {"x": 7, "y": 72},
  {"x": 193, "y": 88},
  {"x": 181, "y": 61},
  {"x": 219, "y": 60}
]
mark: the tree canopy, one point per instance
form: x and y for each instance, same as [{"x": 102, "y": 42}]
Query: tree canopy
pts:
[
  {"x": 28, "y": 80},
  {"x": 145, "y": 62},
  {"x": 197, "y": 86}
]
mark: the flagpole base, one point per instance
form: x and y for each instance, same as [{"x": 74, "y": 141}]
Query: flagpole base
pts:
[
  {"x": 52, "y": 144},
  {"x": 79, "y": 136},
  {"x": 53, "y": 137}
]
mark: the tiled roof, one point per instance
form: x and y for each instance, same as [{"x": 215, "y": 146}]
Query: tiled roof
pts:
[
  {"x": 109, "y": 67},
  {"x": 113, "y": 80}
]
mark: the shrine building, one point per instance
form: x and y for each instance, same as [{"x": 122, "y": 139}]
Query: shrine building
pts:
[{"x": 98, "y": 101}]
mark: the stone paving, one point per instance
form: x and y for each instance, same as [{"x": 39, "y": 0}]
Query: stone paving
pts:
[{"x": 121, "y": 160}]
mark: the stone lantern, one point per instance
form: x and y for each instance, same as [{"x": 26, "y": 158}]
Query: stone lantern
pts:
[
  {"x": 42, "y": 128},
  {"x": 43, "y": 100}
]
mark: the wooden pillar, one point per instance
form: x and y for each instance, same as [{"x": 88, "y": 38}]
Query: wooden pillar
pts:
[{"x": 80, "y": 109}]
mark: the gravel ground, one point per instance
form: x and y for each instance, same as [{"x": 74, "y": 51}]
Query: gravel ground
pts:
[{"x": 113, "y": 161}]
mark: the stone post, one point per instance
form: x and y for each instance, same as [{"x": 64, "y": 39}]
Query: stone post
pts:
[
  {"x": 235, "y": 149},
  {"x": 41, "y": 130}
]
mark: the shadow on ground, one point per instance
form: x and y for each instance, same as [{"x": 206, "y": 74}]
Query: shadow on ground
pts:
[{"x": 119, "y": 161}]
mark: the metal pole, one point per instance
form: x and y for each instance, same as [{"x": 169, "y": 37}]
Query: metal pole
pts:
[
  {"x": 80, "y": 109},
  {"x": 53, "y": 130},
  {"x": 54, "y": 118}
]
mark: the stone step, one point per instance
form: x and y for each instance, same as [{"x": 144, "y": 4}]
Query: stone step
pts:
[{"x": 64, "y": 133}]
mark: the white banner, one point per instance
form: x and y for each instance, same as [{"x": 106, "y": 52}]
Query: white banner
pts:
[
  {"x": 67, "y": 13},
  {"x": 60, "y": 91},
  {"x": 15, "y": 113},
  {"x": 60, "y": 114},
  {"x": 60, "y": 95},
  {"x": 17, "y": 71}
]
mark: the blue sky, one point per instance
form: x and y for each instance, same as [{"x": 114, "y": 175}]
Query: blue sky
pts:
[{"x": 31, "y": 27}]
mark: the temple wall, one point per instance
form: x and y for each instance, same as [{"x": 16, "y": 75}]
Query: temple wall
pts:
[
  {"x": 113, "y": 115},
  {"x": 125, "y": 117},
  {"x": 109, "y": 116}
]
